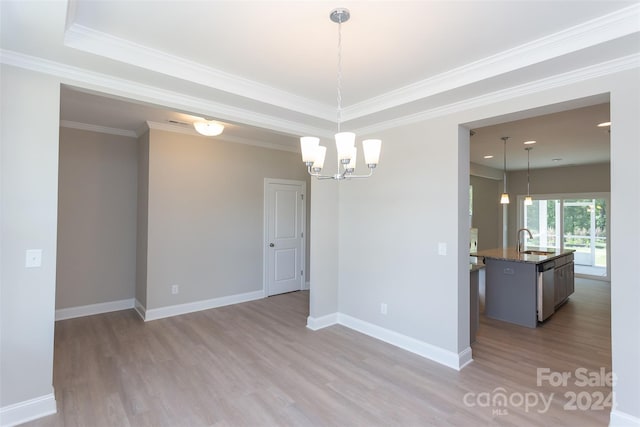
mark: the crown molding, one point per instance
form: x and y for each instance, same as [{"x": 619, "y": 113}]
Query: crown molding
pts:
[
  {"x": 98, "y": 43},
  {"x": 169, "y": 127},
  {"x": 94, "y": 81},
  {"x": 599, "y": 30},
  {"x": 100, "y": 129},
  {"x": 571, "y": 77}
]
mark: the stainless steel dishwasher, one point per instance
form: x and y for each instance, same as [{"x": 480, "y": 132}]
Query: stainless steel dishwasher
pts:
[{"x": 546, "y": 291}]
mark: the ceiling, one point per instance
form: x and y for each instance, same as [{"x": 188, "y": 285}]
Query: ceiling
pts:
[
  {"x": 268, "y": 69},
  {"x": 566, "y": 138}
]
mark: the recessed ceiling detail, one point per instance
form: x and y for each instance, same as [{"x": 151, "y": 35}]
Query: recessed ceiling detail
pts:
[{"x": 248, "y": 66}]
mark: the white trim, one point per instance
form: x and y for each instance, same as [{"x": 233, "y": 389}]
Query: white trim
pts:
[
  {"x": 189, "y": 130},
  {"x": 533, "y": 87},
  {"x": 591, "y": 33},
  {"x": 140, "y": 309},
  {"x": 622, "y": 419},
  {"x": 261, "y": 144},
  {"x": 91, "y": 309},
  {"x": 302, "y": 185},
  {"x": 28, "y": 410},
  {"x": 144, "y": 93},
  {"x": 100, "y": 129},
  {"x": 316, "y": 323},
  {"x": 587, "y": 34},
  {"x": 97, "y": 82},
  {"x": 190, "y": 307},
  {"x": 464, "y": 358},
  {"x": 421, "y": 348},
  {"x": 109, "y": 46},
  {"x": 307, "y": 286}
]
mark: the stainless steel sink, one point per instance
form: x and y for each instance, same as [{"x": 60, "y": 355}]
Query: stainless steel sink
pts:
[{"x": 532, "y": 252}]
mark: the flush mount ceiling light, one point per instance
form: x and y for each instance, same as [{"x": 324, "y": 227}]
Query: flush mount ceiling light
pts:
[
  {"x": 504, "y": 198},
  {"x": 529, "y": 142},
  {"x": 208, "y": 127},
  {"x": 313, "y": 154},
  {"x": 488, "y": 156},
  {"x": 528, "y": 201}
]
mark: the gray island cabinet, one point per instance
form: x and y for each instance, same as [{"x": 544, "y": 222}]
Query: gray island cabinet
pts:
[{"x": 526, "y": 287}]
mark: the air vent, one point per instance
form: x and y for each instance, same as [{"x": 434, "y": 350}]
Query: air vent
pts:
[{"x": 176, "y": 122}]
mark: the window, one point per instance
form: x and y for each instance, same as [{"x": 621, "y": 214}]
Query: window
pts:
[{"x": 578, "y": 222}]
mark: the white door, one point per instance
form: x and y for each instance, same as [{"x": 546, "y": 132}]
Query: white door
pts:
[{"x": 284, "y": 236}]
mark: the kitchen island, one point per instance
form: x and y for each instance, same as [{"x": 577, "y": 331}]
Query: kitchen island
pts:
[{"x": 526, "y": 287}]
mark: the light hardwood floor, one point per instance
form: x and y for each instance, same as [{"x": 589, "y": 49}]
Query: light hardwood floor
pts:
[{"x": 256, "y": 364}]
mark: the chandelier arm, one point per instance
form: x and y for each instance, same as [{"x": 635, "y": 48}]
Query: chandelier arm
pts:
[
  {"x": 318, "y": 175},
  {"x": 361, "y": 176}
]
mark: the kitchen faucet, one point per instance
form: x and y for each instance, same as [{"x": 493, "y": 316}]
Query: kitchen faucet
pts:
[{"x": 520, "y": 244}]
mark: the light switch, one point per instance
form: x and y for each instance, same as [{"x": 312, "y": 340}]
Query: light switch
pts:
[
  {"x": 442, "y": 248},
  {"x": 33, "y": 258}
]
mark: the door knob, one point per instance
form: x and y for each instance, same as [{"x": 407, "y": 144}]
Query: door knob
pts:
[{"x": 271, "y": 245}]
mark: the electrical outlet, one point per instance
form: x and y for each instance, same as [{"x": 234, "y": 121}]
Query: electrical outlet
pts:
[
  {"x": 442, "y": 249},
  {"x": 383, "y": 309},
  {"x": 33, "y": 258},
  {"x": 175, "y": 289}
]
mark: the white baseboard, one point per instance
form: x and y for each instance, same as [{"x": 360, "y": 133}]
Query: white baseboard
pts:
[
  {"x": 306, "y": 286},
  {"x": 622, "y": 419},
  {"x": 28, "y": 410},
  {"x": 316, "y": 323},
  {"x": 140, "y": 309},
  {"x": 464, "y": 358},
  {"x": 88, "y": 310},
  {"x": 428, "y": 351},
  {"x": 190, "y": 307},
  {"x": 421, "y": 348}
]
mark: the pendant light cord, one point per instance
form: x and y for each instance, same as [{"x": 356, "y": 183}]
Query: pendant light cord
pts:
[
  {"x": 339, "y": 98},
  {"x": 528, "y": 170},
  {"x": 504, "y": 176}
]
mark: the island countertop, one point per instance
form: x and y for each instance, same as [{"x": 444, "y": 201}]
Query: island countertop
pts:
[{"x": 511, "y": 254}]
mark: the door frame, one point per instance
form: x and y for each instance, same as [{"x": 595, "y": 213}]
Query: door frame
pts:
[{"x": 265, "y": 231}]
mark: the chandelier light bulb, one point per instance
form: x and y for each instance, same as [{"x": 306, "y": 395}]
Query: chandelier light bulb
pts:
[{"x": 309, "y": 146}]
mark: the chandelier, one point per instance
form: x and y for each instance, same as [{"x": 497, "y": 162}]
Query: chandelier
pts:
[{"x": 313, "y": 154}]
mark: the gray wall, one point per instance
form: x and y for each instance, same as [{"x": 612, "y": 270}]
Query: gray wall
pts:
[
  {"x": 142, "y": 219},
  {"x": 29, "y": 179},
  {"x": 487, "y": 212},
  {"x": 205, "y": 215},
  {"x": 97, "y": 188},
  {"x": 402, "y": 195},
  {"x": 390, "y": 226}
]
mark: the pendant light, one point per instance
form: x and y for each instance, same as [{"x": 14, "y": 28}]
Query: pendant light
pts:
[
  {"x": 504, "y": 198},
  {"x": 528, "y": 201},
  {"x": 313, "y": 154}
]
